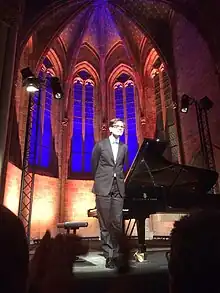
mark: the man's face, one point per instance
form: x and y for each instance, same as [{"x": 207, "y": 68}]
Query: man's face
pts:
[{"x": 117, "y": 129}]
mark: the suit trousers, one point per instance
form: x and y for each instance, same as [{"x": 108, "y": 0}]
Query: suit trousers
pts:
[{"x": 110, "y": 216}]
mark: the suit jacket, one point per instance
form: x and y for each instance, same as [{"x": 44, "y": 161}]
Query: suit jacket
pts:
[{"x": 104, "y": 167}]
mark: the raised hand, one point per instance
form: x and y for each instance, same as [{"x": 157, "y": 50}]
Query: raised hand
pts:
[{"x": 51, "y": 269}]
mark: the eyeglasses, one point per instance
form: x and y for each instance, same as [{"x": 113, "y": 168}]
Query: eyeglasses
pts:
[{"x": 119, "y": 126}]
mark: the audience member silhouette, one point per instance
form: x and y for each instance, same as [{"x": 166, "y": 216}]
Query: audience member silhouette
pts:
[
  {"x": 51, "y": 269},
  {"x": 194, "y": 257},
  {"x": 14, "y": 257}
]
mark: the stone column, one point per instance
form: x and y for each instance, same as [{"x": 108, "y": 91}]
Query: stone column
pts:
[
  {"x": 10, "y": 16},
  {"x": 103, "y": 114}
]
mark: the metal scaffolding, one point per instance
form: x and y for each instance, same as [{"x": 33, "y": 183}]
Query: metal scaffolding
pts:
[
  {"x": 202, "y": 107},
  {"x": 30, "y": 153},
  {"x": 205, "y": 137}
]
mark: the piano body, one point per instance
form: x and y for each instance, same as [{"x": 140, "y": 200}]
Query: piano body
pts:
[{"x": 153, "y": 184}]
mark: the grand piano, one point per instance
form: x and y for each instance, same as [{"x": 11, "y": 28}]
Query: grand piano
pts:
[{"x": 154, "y": 184}]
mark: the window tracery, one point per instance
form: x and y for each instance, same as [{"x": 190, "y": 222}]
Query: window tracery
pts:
[
  {"x": 165, "y": 121},
  {"x": 125, "y": 108},
  {"x": 42, "y": 153},
  {"x": 83, "y": 125}
]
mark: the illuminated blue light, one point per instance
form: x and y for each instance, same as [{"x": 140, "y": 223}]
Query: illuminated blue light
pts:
[
  {"x": 35, "y": 132},
  {"x": 81, "y": 150},
  {"x": 41, "y": 135},
  {"x": 131, "y": 123},
  {"x": 77, "y": 141},
  {"x": 119, "y": 106},
  {"x": 46, "y": 142},
  {"x": 131, "y": 118},
  {"x": 89, "y": 129}
]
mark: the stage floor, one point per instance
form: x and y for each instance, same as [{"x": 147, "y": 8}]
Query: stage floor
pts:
[
  {"x": 152, "y": 275},
  {"x": 93, "y": 264}
]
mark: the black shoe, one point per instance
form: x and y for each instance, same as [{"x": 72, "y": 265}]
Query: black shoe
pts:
[
  {"x": 117, "y": 262},
  {"x": 110, "y": 264},
  {"x": 121, "y": 265}
]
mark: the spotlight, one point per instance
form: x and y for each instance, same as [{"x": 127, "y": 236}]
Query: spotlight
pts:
[
  {"x": 56, "y": 88},
  {"x": 31, "y": 83},
  {"x": 185, "y": 102},
  {"x": 206, "y": 103}
]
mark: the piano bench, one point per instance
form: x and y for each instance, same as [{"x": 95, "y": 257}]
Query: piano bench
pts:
[{"x": 68, "y": 226}]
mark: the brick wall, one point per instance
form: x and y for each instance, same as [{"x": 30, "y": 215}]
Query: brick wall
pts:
[
  {"x": 45, "y": 208},
  {"x": 78, "y": 199},
  {"x": 46, "y": 200},
  {"x": 196, "y": 77},
  {"x": 12, "y": 188}
]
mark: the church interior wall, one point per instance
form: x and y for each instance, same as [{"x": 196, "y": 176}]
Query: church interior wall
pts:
[{"x": 195, "y": 75}]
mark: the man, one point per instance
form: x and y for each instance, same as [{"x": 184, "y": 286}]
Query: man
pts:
[{"x": 108, "y": 159}]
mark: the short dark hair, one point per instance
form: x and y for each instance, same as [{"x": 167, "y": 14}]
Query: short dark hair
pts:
[
  {"x": 115, "y": 120},
  {"x": 195, "y": 253}
]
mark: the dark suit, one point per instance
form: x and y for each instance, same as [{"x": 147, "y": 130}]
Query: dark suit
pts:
[{"x": 110, "y": 192}]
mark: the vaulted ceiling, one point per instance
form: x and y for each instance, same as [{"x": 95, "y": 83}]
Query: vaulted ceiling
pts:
[
  {"x": 101, "y": 26},
  {"x": 103, "y": 29},
  {"x": 102, "y": 23}
]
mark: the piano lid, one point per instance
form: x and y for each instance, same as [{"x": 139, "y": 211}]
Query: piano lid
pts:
[
  {"x": 150, "y": 147},
  {"x": 151, "y": 169}
]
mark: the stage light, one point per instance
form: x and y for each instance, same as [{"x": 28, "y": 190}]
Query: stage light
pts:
[
  {"x": 202, "y": 107},
  {"x": 56, "y": 88},
  {"x": 206, "y": 103},
  {"x": 185, "y": 102},
  {"x": 29, "y": 81},
  {"x": 26, "y": 73}
]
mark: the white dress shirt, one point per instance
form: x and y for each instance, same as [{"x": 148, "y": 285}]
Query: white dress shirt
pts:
[{"x": 114, "y": 144}]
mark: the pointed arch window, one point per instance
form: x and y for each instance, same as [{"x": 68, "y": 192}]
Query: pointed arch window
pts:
[
  {"x": 47, "y": 142},
  {"x": 42, "y": 153},
  {"x": 83, "y": 130},
  {"x": 125, "y": 96},
  {"x": 165, "y": 121}
]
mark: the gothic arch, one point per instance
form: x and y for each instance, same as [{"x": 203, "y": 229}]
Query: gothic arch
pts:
[
  {"x": 91, "y": 49},
  {"x": 113, "y": 48},
  {"x": 151, "y": 58},
  {"x": 57, "y": 69},
  {"x": 142, "y": 45},
  {"x": 88, "y": 67},
  {"x": 123, "y": 68}
]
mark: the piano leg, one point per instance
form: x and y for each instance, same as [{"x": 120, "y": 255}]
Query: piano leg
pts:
[
  {"x": 141, "y": 234},
  {"x": 141, "y": 254},
  {"x": 123, "y": 226}
]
